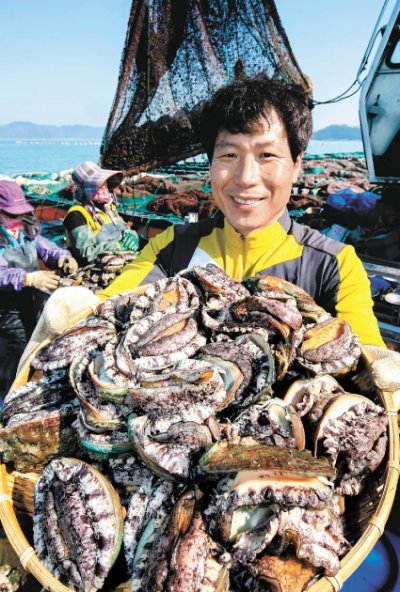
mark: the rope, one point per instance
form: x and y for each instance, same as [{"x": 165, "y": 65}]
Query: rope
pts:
[
  {"x": 362, "y": 67},
  {"x": 340, "y": 97},
  {"x": 371, "y": 43}
]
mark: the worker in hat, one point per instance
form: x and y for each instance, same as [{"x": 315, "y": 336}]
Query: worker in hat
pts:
[
  {"x": 23, "y": 285},
  {"x": 93, "y": 226}
]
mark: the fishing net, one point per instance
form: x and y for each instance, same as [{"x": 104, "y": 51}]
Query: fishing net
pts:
[{"x": 177, "y": 54}]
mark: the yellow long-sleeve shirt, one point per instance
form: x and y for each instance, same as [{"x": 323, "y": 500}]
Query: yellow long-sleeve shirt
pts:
[{"x": 328, "y": 270}]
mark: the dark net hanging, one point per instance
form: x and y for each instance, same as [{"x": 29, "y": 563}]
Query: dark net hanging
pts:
[{"x": 177, "y": 54}]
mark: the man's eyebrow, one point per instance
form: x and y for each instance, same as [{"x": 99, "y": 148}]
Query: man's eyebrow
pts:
[
  {"x": 232, "y": 143},
  {"x": 225, "y": 143}
]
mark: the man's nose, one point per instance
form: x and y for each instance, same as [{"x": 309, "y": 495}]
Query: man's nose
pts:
[{"x": 247, "y": 171}]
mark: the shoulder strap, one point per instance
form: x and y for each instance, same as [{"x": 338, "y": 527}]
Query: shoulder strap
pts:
[{"x": 90, "y": 221}]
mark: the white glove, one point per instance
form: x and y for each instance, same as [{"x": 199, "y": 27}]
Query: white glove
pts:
[
  {"x": 68, "y": 264},
  {"x": 385, "y": 367},
  {"x": 46, "y": 281}
]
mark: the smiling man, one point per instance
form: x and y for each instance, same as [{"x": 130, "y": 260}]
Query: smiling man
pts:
[{"x": 255, "y": 132}]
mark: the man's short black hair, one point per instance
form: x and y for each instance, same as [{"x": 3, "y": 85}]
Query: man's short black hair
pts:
[{"x": 238, "y": 106}]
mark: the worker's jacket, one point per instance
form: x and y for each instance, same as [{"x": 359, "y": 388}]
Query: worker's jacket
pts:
[
  {"x": 89, "y": 236},
  {"x": 17, "y": 258},
  {"x": 328, "y": 270}
]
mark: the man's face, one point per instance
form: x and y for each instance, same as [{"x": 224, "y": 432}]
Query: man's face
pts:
[{"x": 252, "y": 175}]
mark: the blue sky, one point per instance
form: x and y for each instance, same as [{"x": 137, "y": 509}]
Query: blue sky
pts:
[{"x": 59, "y": 59}]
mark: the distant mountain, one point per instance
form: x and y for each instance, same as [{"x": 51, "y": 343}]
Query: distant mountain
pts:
[
  {"x": 338, "y": 132},
  {"x": 26, "y": 130}
]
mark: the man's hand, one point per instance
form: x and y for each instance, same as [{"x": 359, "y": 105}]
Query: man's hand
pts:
[
  {"x": 46, "y": 281},
  {"x": 68, "y": 264},
  {"x": 130, "y": 241}
]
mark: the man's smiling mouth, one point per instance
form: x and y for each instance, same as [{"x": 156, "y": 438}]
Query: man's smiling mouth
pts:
[{"x": 247, "y": 202}]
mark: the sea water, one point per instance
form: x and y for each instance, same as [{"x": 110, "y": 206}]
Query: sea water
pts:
[
  {"x": 334, "y": 147},
  {"x": 49, "y": 156}
]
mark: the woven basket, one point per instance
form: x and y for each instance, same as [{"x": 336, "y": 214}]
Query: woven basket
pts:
[{"x": 368, "y": 518}]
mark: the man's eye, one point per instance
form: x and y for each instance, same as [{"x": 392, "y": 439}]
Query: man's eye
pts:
[
  {"x": 228, "y": 155},
  {"x": 266, "y": 155}
]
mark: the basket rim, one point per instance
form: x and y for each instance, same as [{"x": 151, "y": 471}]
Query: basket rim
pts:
[{"x": 350, "y": 562}]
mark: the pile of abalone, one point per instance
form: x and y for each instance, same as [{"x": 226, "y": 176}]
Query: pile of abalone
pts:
[
  {"x": 101, "y": 272},
  {"x": 218, "y": 414}
]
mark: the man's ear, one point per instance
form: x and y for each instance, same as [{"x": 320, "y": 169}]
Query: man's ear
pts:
[{"x": 297, "y": 167}]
